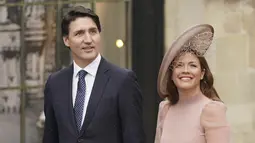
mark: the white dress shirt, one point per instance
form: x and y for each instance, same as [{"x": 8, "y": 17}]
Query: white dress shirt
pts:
[{"x": 91, "y": 69}]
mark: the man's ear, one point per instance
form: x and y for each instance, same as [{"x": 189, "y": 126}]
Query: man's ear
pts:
[{"x": 66, "y": 41}]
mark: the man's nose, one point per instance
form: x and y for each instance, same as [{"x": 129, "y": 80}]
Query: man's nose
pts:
[{"x": 87, "y": 38}]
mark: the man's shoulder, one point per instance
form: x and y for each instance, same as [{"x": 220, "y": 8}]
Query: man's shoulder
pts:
[
  {"x": 121, "y": 76},
  {"x": 120, "y": 71},
  {"x": 61, "y": 73}
]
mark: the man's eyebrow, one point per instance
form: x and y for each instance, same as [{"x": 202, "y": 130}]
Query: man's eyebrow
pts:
[{"x": 93, "y": 28}]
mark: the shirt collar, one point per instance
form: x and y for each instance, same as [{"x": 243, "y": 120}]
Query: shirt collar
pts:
[{"x": 90, "y": 68}]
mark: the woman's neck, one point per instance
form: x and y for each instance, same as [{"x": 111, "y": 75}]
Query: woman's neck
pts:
[{"x": 189, "y": 94}]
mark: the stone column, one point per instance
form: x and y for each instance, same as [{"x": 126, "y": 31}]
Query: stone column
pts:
[
  {"x": 35, "y": 35},
  {"x": 9, "y": 49},
  {"x": 3, "y": 12}
]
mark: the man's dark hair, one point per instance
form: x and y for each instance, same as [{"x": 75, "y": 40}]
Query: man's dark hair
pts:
[{"x": 76, "y": 12}]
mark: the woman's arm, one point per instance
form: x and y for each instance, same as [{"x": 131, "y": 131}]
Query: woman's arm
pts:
[
  {"x": 163, "y": 108},
  {"x": 214, "y": 122}
]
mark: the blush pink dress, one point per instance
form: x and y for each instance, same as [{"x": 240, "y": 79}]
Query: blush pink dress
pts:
[{"x": 195, "y": 119}]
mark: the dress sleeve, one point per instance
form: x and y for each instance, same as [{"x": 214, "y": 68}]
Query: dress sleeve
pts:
[
  {"x": 163, "y": 108},
  {"x": 214, "y": 122}
]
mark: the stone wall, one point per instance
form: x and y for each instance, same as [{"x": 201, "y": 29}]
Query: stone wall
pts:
[{"x": 231, "y": 56}]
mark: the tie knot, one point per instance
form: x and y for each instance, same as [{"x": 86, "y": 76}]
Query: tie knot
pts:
[{"x": 82, "y": 73}]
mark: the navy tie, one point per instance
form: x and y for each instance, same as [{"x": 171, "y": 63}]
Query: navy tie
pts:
[{"x": 80, "y": 98}]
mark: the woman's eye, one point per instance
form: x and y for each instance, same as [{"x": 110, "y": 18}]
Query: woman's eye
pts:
[
  {"x": 193, "y": 65},
  {"x": 178, "y": 65}
]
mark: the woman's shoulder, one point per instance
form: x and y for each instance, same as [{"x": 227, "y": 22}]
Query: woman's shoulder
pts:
[
  {"x": 164, "y": 103},
  {"x": 214, "y": 107},
  {"x": 163, "y": 108},
  {"x": 214, "y": 112},
  {"x": 211, "y": 104}
]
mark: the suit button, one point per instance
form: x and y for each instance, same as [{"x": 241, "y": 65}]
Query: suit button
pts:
[{"x": 80, "y": 140}]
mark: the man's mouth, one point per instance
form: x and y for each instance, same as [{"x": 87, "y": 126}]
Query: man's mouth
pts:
[{"x": 87, "y": 49}]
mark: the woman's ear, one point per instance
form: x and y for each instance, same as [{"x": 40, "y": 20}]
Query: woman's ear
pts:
[{"x": 202, "y": 74}]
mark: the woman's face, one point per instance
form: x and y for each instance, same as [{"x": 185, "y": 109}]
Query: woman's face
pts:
[{"x": 187, "y": 72}]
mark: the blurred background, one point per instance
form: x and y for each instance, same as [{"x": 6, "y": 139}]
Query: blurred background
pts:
[{"x": 135, "y": 35}]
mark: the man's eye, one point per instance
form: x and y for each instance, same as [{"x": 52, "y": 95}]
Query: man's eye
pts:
[
  {"x": 79, "y": 33},
  {"x": 93, "y": 31}
]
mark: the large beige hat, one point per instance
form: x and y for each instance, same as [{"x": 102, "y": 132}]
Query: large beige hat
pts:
[{"x": 197, "y": 38}]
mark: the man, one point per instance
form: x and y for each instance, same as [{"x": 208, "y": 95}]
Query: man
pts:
[{"x": 92, "y": 101}]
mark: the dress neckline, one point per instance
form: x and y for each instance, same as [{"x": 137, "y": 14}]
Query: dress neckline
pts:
[{"x": 190, "y": 99}]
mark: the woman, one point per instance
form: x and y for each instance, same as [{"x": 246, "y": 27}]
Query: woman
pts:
[{"x": 192, "y": 112}]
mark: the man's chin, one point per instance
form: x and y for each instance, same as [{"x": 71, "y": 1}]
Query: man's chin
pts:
[{"x": 89, "y": 57}]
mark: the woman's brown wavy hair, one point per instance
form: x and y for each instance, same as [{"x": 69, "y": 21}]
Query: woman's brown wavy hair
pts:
[{"x": 206, "y": 84}]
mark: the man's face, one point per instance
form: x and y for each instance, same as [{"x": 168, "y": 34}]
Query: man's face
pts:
[{"x": 83, "y": 40}]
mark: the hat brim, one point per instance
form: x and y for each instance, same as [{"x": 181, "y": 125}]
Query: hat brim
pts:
[{"x": 178, "y": 44}]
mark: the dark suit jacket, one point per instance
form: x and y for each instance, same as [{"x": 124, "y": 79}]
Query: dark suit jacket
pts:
[{"x": 114, "y": 112}]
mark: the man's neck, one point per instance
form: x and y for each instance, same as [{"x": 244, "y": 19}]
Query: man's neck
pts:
[{"x": 83, "y": 63}]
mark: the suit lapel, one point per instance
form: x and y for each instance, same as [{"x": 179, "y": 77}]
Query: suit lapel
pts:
[
  {"x": 70, "y": 112},
  {"x": 96, "y": 94}
]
